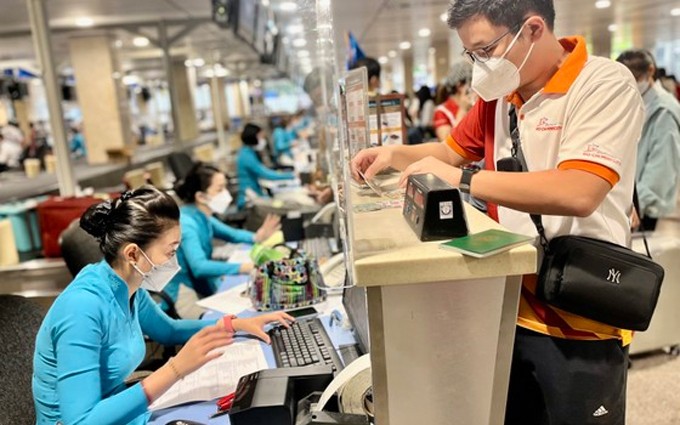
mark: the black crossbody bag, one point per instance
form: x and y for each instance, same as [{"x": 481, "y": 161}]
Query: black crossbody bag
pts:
[{"x": 592, "y": 278}]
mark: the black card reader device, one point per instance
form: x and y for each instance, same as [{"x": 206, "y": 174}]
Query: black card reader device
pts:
[
  {"x": 433, "y": 208},
  {"x": 271, "y": 396}
]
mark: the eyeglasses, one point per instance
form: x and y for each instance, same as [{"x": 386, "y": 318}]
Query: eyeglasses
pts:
[{"x": 483, "y": 54}]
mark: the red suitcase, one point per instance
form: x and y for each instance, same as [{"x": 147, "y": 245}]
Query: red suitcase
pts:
[{"x": 54, "y": 216}]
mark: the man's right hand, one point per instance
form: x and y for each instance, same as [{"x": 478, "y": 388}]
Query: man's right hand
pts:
[{"x": 370, "y": 162}]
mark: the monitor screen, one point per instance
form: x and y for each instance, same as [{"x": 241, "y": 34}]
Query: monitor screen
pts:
[
  {"x": 354, "y": 301},
  {"x": 247, "y": 14},
  {"x": 261, "y": 29}
]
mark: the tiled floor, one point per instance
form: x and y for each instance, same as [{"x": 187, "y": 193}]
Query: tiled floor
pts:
[
  {"x": 654, "y": 379},
  {"x": 654, "y": 390}
]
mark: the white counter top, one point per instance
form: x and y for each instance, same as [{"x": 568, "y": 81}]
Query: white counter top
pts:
[{"x": 387, "y": 251}]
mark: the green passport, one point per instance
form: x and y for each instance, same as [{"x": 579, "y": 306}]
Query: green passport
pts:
[{"x": 487, "y": 243}]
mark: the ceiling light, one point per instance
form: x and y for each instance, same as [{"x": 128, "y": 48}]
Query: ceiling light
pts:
[
  {"x": 118, "y": 44},
  {"x": 405, "y": 45},
  {"x": 392, "y": 54},
  {"x": 130, "y": 80},
  {"x": 676, "y": 11},
  {"x": 221, "y": 72},
  {"x": 603, "y": 4},
  {"x": 299, "y": 42},
  {"x": 188, "y": 63},
  {"x": 612, "y": 27},
  {"x": 84, "y": 22},
  {"x": 444, "y": 17},
  {"x": 288, "y": 6},
  {"x": 285, "y": 41},
  {"x": 424, "y": 32},
  {"x": 265, "y": 3},
  {"x": 198, "y": 62},
  {"x": 295, "y": 29},
  {"x": 140, "y": 41},
  {"x": 303, "y": 54},
  {"x": 383, "y": 60}
]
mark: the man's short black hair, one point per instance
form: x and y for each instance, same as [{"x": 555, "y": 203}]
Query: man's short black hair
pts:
[
  {"x": 638, "y": 61},
  {"x": 502, "y": 13},
  {"x": 372, "y": 67}
]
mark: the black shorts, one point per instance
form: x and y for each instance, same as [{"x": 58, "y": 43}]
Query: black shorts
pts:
[{"x": 555, "y": 381}]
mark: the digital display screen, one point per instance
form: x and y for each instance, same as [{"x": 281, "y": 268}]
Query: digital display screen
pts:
[
  {"x": 247, "y": 14},
  {"x": 409, "y": 191},
  {"x": 261, "y": 32},
  {"x": 419, "y": 199}
]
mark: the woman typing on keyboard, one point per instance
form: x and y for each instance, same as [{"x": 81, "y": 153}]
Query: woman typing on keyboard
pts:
[
  {"x": 249, "y": 166},
  {"x": 92, "y": 337},
  {"x": 204, "y": 191}
]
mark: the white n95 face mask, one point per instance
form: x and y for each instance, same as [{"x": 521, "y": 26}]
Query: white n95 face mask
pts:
[
  {"x": 220, "y": 202},
  {"x": 498, "y": 77},
  {"x": 160, "y": 275},
  {"x": 643, "y": 86},
  {"x": 261, "y": 144}
]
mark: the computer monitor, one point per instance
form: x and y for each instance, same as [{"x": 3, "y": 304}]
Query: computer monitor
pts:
[
  {"x": 354, "y": 301},
  {"x": 247, "y": 16}
]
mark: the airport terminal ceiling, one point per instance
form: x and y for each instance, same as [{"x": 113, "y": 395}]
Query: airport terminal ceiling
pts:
[{"x": 379, "y": 25}]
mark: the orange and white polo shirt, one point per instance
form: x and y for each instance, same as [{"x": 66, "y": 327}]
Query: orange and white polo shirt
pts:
[{"x": 588, "y": 117}]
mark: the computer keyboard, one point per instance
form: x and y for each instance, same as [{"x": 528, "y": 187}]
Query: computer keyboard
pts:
[
  {"x": 320, "y": 248},
  {"x": 305, "y": 343}
]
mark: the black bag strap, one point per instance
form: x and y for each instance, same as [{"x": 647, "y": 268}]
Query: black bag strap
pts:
[
  {"x": 518, "y": 154},
  {"x": 537, "y": 219}
]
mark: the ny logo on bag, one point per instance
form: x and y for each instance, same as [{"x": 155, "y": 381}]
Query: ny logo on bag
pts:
[{"x": 614, "y": 276}]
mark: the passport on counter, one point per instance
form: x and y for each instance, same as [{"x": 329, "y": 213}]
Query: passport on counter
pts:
[{"x": 487, "y": 243}]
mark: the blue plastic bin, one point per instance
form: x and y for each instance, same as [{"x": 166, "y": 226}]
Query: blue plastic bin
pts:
[{"x": 24, "y": 219}]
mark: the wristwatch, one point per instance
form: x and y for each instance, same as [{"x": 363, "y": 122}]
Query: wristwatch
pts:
[{"x": 466, "y": 178}]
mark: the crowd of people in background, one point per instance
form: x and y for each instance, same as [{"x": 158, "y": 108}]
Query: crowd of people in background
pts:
[{"x": 16, "y": 147}]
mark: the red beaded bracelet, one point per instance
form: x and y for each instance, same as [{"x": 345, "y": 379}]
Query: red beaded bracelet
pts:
[{"x": 228, "y": 325}]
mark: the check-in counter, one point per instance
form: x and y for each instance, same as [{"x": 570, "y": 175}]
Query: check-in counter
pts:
[{"x": 442, "y": 324}]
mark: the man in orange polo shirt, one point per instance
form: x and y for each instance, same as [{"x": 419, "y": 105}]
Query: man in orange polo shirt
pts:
[{"x": 579, "y": 119}]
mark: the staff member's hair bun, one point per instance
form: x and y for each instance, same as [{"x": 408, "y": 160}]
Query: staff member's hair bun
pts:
[{"x": 95, "y": 220}]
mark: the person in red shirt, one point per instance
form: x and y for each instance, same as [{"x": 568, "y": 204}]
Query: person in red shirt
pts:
[{"x": 459, "y": 101}]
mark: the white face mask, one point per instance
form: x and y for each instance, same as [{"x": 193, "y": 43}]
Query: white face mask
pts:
[
  {"x": 159, "y": 276},
  {"x": 643, "y": 86},
  {"x": 261, "y": 144},
  {"x": 220, "y": 202},
  {"x": 498, "y": 77}
]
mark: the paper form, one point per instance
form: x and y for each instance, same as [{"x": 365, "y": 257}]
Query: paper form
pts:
[
  {"x": 216, "y": 378},
  {"x": 232, "y": 301}
]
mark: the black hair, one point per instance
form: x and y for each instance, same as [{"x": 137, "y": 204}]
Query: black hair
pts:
[
  {"x": 638, "y": 61},
  {"x": 423, "y": 94},
  {"x": 372, "y": 67},
  {"x": 139, "y": 217},
  {"x": 502, "y": 13},
  {"x": 249, "y": 134},
  {"x": 197, "y": 180}
]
